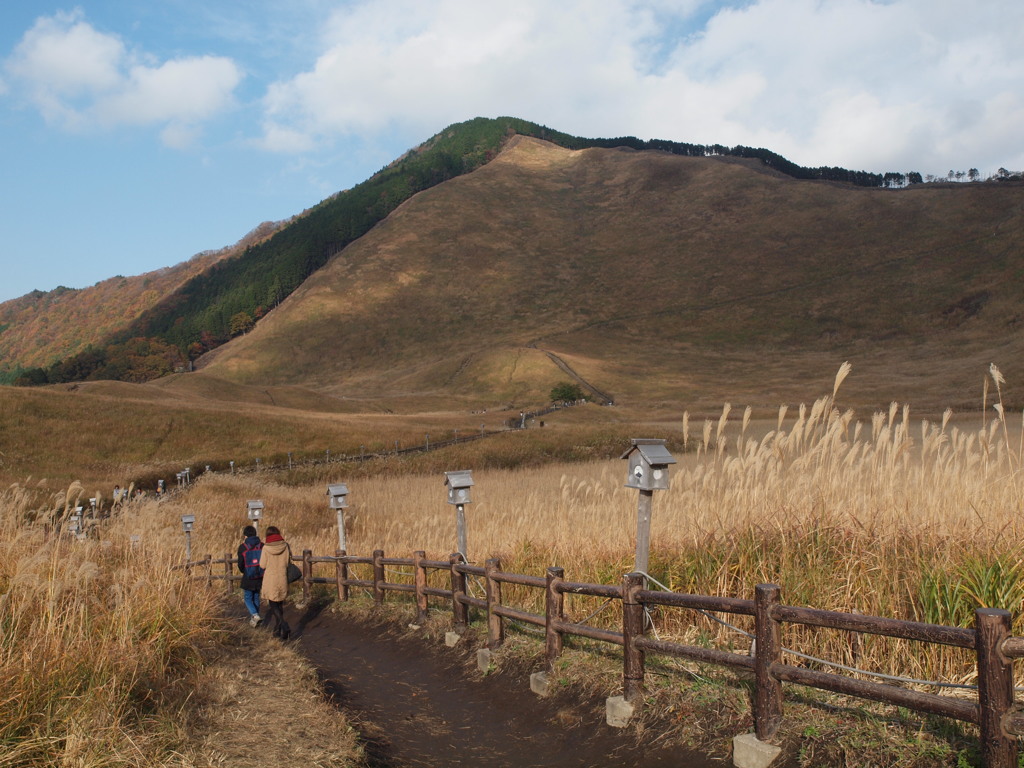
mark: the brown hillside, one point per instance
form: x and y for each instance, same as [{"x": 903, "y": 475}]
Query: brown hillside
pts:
[
  {"x": 39, "y": 328},
  {"x": 659, "y": 277}
]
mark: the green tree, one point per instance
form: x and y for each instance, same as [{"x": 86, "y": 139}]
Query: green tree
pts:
[
  {"x": 565, "y": 392},
  {"x": 240, "y": 323}
]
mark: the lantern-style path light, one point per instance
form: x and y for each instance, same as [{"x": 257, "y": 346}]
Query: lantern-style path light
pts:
[
  {"x": 459, "y": 484},
  {"x": 649, "y": 461},
  {"x": 187, "y": 521},
  {"x": 339, "y": 501},
  {"x": 254, "y": 509}
]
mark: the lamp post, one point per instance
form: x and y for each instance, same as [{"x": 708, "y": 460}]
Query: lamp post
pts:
[
  {"x": 649, "y": 460},
  {"x": 255, "y": 511},
  {"x": 75, "y": 523},
  {"x": 459, "y": 484},
  {"x": 339, "y": 501},
  {"x": 187, "y": 521}
]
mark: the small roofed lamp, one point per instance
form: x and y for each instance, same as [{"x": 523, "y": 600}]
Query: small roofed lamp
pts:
[
  {"x": 255, "y": 511},
  {"x": 339, "y": 501},
  {"x": 459, "y": 484},
  {"x": 187, "y": 521},
  {"x": 649, "y": 461},
  {"x": 75, "y": 523}
]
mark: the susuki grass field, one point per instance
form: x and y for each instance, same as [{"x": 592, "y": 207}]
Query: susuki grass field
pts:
[
  {"x": 885, "y": 516},
  {"x": 877, "y": 513}
]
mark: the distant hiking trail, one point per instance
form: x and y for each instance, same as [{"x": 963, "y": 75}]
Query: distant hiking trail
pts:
[
  {"x": 604, "y": 397},
  {"x": 419, "y": 706}
]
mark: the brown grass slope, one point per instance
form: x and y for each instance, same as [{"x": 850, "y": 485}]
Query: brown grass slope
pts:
[
  {"x": 40, "y": 328},
  {"x": 658, "y": 277}
]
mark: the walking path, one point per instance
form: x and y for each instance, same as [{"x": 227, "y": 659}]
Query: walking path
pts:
[{"x": 419, "y": 705}]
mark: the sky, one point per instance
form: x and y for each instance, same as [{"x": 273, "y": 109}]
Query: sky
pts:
[{"x": 135, "y": 134}]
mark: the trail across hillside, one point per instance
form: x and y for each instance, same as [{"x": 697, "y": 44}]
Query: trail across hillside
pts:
[
  {"x": 420, "y": 705},
  {"x": 603, "y": 397}
]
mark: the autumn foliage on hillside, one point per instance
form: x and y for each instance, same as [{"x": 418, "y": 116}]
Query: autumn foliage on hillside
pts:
[{"x": 70, "y": 334}]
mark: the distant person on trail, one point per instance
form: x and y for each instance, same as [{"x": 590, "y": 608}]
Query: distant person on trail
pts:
[
  {"x": 274, "y": 560},
  {"x": 249, "y": 552}
]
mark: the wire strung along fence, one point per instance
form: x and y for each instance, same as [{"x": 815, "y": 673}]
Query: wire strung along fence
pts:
[{"x": 993, "y": 708}]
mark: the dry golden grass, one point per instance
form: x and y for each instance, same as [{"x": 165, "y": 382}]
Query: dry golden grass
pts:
[
  {"x": 887, "y": 517},
  {"x": 111, "y": 432},
  {"x": 883, "y": 515},
  {"x": 107, "y": 657}
]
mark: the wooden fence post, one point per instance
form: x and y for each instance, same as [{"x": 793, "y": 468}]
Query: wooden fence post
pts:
[
  {"x": 995, "y": 688},
  {"x": 768, "y": 651},
  {"x": 307, "y": 575},
  {"x": 228, "y": 563},
  {"x": 460, "y": 611},
  {"x": 421, "y": 585},
  {"x": 554, "y": 611},
  {"x": 378, "y": 576},
  {"x": 209, "y": 570},
  {"x": 855, "y": 643},
  {"x": 341, "y": 575},
  {"x": 495, "y": 624},
  {"x": 632, "y": 628}
]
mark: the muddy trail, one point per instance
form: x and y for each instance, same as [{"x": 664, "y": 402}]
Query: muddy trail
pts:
[{"x": 419, "y": 704}]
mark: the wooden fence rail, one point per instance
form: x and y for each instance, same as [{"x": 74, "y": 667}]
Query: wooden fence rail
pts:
[{"x": 993, "y": 710}]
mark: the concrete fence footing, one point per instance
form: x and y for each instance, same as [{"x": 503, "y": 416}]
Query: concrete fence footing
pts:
[
  {"x": 750, "y": 752},
  {"x": 618, "y": 712},
  {"x": 539, "y": 683}
]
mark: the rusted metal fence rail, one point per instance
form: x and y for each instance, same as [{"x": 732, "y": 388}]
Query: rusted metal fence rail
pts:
[{"x": 993, "y": 710}]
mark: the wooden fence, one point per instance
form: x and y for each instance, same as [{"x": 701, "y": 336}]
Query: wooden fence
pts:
[{"x": 993, "y": 709}]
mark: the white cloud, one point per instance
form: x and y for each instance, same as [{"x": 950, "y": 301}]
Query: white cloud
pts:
[
  {"x": 79, "y": 78},
  {"x": 188, "y": 90},
  {"x": 893, "y": 85}
]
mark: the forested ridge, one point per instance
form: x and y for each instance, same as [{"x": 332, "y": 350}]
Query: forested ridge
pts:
[{"x": 229, "y": 297}]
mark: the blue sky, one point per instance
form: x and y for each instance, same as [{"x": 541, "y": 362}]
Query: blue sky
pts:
[{"x": 135, "y": 134}]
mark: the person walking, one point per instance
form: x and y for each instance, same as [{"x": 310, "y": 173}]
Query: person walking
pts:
[
  {"x": 274, "y": 560},
  {"x": 249, "y": 552}
]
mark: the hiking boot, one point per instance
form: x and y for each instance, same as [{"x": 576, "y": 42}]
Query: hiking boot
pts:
[{"x": 255, "y": 620}]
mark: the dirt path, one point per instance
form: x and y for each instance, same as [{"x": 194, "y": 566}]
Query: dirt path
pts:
[{"x": 421, "y": 705}]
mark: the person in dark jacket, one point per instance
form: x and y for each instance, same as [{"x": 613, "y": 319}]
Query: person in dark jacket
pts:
[{"x": 250, "y": 549}]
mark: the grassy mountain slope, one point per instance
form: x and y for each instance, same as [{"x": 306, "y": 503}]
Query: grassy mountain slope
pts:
[
  {"x": 661, "y": 276},
  {"x": 223, "y": 298}
]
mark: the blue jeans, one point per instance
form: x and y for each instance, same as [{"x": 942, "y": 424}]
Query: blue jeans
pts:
[{"x": 252, "y": 600}]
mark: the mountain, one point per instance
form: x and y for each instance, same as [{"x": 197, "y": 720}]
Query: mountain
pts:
[
  {"x": 656, "y": 276},
  {"x": 134, "y": 335},
  {"x": 501, "y": 257},
  {"x": 43, "y": 327}
]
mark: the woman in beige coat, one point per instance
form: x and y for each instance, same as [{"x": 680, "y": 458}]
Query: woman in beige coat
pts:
[{"x": 274, "y": 561}]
